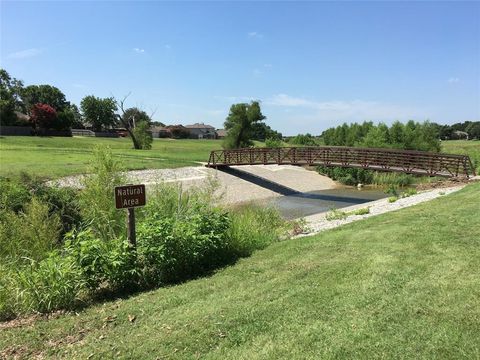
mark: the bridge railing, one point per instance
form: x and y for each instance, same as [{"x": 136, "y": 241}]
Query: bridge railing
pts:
[{"x": 406, "y": 161}]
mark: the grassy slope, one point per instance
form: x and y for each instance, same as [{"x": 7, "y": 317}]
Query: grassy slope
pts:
[
  {"x": 471, "y": 148},
  {"x": 55, "y": 157},
  {"x": 400, "y": 285}
]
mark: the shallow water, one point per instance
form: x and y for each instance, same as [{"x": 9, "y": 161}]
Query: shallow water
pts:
[{"x": 304, "y": 204}]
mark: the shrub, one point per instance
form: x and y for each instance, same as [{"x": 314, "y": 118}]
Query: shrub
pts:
[
  {"x": 392, "y": 199},
  {"x": 170, "y": 250},
  {"x": 336, "y": 215},
  {"x": 409, "y": 192},
  {"x": 347, "y": 176},
  {"x": 397, "y": 179},
  {"x": 43, "y": 116},
  {"x": 110, "y": 265},
  {"x": 362, "y": 211},
  {"x": 254, "y": 227},
  {"x": 143, "y": 135},
  {"x": 16, "y": 194},
  {"x": 273, "y": 143},
  {"x": 52, "y": 283},
  {"x": 13, "y": 195},
  {"x": 96, "y": 199},
  {"x": 30, "y": 233}
]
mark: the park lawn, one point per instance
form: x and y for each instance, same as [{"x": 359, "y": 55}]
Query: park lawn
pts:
[
  {"x": 54, "y": 157},
  {"x": 464, "y": 147},
  {"x": 399, "y": 285}
]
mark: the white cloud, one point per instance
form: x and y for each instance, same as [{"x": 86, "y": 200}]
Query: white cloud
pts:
[
  {"x": 453, "y": 80},
  {"x": 255, "y": 35},
  {"x": 167, "y": 46},
  {"x": 353, "y": 110},
  {"x": 257, "y": 72},
  {"x": 24, "y": 54},
  {"x": 267, "y": 65},
  {"x": 138, "y": 50}
]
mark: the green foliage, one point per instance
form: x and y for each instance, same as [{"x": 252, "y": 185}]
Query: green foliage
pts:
[
  {"x": 97, "y": 198},
  {"x": 362, "y": 211},
  {"x": 336, "y": 214},
  {"x": 10, "y": 101},
  {"x": 44, "y": 94},
  {"x": 262, "y": 132},
  {"x": 273, "y": 143},
  {"x": 411, "y": 136},
  {"x": 13, "y": 195},
  {"x": 171, "y": 250},
  {"x": 254, "y": 227},
  {"x": 303, "y": 140},
  {"x": 392, "y": 199},
  {"x": 347, "y": 176},
  {"x": 391, "y": 178},
  {"x": 46, "y": 285},
  {"x": 98, "y": 112},
  {"x": 109, "y": 265},
  {"x": 239, "y": 124},
  {"x": 392, "y": 190},
  {"x": 409, "y": 192},
  {"x": 143, "y": 135},
  {"x": 29, "y": 234}
]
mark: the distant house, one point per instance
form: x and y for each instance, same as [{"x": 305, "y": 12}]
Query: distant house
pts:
[
  {"x": 460, "y": 135},
  {"x": 170, "y": 131},
  {"x": 221, "y": 133},
  {"x": 201, "y": 131},
  {"x": 160, "y": 132}
]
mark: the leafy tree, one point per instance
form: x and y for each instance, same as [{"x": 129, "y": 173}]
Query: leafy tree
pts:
[
  {"x": 133, "y": 116},
  {"x": 128, "y": 120},
  {"x": 305, "y": 140},
  {"x": 10, "y": 100},
  {"x": 143, "y": 135},
  {"x": 98, "y": 112},
  {"x": 261, "y": 132},
  {"x": 239, "y": 124},
  {"x": 44, "y": 94},
  {"x": 42, "y": 116},
  {"x": 473, "y": 129},
  {"x": 397, "y": 134},
  {"x": 376, "y": 137}
]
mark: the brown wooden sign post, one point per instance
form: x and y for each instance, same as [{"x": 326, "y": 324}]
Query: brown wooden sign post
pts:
[{"x": 129, "y": 197}]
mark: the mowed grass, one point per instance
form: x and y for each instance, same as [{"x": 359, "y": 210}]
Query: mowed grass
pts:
[
  {"x": 464, "y": 147},
  {"x": 55, "y": 157},
  {"x": 403, "y": 285}
]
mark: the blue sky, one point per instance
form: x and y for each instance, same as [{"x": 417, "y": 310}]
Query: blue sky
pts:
[{"x": 311, "y": 64}]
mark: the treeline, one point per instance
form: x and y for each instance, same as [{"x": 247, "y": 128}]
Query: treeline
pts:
[
  {"x": 410, "y": 136},
  {"x": 45, "y": 107},
  {"x": 467, "y": 129}
]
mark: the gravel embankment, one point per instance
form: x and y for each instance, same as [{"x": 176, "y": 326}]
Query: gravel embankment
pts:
[{"x": 318, "y": 222}]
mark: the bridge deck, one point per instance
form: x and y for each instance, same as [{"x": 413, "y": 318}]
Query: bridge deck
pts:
[{"x": 405, "y": 161}]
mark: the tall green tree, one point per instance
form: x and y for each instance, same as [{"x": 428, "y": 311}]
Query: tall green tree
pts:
[
  {"x": 239, "y": 124},
  {"x": 44, "y": 94},
  {"x": 98, "y": 112},
  {"x": 10, "y": 100}
]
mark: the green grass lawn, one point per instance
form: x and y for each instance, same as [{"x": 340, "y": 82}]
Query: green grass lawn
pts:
[
  {"x": 464, "y": 147},
  {"x": 55, "y": 157},
  {"x": 397, "y": 286}
]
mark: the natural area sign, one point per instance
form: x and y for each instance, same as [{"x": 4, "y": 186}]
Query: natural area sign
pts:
[{"x": 129, "y": 196}]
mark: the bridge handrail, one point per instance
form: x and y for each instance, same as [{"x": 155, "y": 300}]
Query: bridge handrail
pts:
[{"x": 386, "y": 159}]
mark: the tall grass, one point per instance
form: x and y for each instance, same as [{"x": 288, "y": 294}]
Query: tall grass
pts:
[{"x": 97, "y": 197}]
